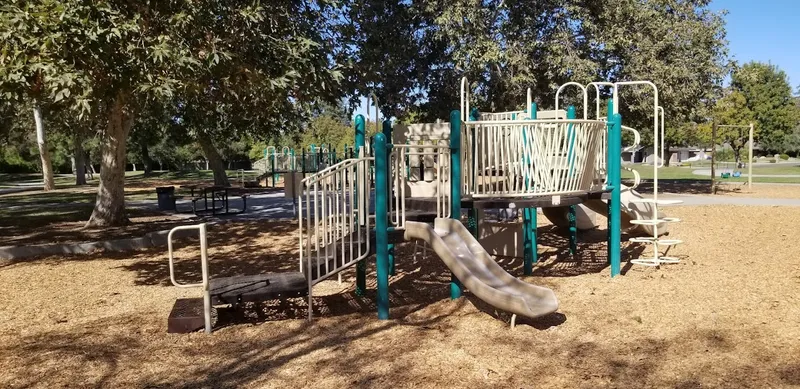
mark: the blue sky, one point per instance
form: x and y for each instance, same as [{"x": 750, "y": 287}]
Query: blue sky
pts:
[
  {"x": 757, "y": 30},
  {"x": 765, "y": 31}
]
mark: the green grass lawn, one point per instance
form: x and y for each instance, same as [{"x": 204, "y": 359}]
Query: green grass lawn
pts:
[
  {"x": 13, "y": 180},
  {"x": 685, "y": 173}
]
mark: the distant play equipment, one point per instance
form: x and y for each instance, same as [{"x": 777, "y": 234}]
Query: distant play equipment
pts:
[
  {"x": 736, "y": 173},
  {"x": 276, "y": 165},
  {"x": 414, "y": 182},
  {"x": 726, "y": 172}
]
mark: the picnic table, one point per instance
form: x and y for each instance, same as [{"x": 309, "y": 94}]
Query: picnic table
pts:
[{"x": 217, "y": 194}]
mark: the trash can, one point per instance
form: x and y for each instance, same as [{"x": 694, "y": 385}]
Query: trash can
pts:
[{"x": 166, "y": 198}]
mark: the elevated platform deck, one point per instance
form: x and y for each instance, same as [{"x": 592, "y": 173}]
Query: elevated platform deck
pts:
[{"x": 428, "y": 204}]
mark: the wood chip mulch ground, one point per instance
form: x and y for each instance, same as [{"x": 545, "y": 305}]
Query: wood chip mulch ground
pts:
[{"x": 726, "y": 316}]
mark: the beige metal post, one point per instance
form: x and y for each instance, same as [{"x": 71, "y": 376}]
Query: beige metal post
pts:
[{"x": 750, "y": 162}]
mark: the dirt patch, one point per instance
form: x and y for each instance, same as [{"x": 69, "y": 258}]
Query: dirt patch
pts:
[
  {"x": 760, "y": 190},
  {"x": 724, "y": 317},
  {"x": 28, "y": 232},
  {"x": 59, "y": 216}
]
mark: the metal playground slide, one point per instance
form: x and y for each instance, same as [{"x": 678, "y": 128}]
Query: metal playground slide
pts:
[{"x": 479, "y": 273}]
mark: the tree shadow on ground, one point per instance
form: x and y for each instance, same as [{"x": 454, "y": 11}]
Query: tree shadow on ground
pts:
[
  {"x": 126, "y": 350},
  {"x": 591, "y": 255},
  {"x": 675, "y": 186},
  {"x": 258, "y": 247}
]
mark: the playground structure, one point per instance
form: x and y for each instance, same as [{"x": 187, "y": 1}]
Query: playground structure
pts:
[
  {"x": 736, "y": 173},
  {"x": 415, "y": 182},
  {"x": 276, "y": 164},
  {"x": 289, "y": 162}
]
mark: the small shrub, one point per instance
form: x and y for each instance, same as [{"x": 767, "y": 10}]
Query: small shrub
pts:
[
  {"x": 724, "y": 155},
  {"x": 784, "y": 156},
  {"x": 772, "y": 160}
]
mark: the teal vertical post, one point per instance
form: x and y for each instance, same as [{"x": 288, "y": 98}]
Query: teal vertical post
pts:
[
  {"x": 382, "y": 224},
  {"x": 455, "y": 186},
  {"x": 614, "y": 181},
  {"x": 273, "y": 169},
  {"x": 572, "y": 216},
  {"x": 361, "y": 266},
  {"x": 530, "y": 254},
  {"x": 303, "y": 163},
  {"x": 472, "y": 213},
  {"x": 387, "y": 132}
]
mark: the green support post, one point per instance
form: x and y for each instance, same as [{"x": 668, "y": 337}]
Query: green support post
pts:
[
  {"x": 303, "y": 163},
  {"x": 572, "y": 216},
  {"x": 472, "y": 213},
  {"x": 530, "y": 253},
  {"x": 361, "y": 266},
  {"x": 387, "y": 132},
  {"x": 614, "y": 166},
  {"x": 455, "y": 186},
  {"x": 273, "y": 169},
  {"x": 382, "y": 224}
]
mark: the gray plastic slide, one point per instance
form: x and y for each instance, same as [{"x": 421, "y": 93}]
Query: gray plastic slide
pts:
[{"x": 479, "y": 273}]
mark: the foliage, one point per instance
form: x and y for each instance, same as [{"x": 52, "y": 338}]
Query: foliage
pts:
[
  {"x": 412, "y": 54},
  {"x": 224, "y": 67},
  {"x": 791, "y": 142},
  {"x": 768, "y": 96},
  {"x": 724, "y": 155},
  {"x": 330, "y": 131}
]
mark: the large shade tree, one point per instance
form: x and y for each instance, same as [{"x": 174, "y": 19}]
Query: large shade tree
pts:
[
  {"x": 420, "y": 49},
  {"x": 126, "y": 54},
  {"x": 768, "y": 96}
]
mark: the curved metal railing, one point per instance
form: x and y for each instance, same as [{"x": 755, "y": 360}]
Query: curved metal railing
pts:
[{"x": 520, "y": 158}]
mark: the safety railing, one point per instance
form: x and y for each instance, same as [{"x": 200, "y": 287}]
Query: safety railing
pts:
[
  {"x": 423, "y": 164},
  {"x": 529, "y": 158},
  {"x": 201, "y": 229},
  {"x": 334, "y": 219},
  {"x": 240, "y": 177},
  {"x": 510, "y": 115},
  {"x": 602, "y": 156}
]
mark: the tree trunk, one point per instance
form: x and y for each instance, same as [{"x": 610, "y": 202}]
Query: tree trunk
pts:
[
  {"x": 737, "y": 154},
  {"x": 213, "y": 158},
  {"x": 47, "y": 166},
  {"x": 109, "y": 208},
  {"x": 147, "y": 163},
  {"x": 88, "y": 165},
  {"x": 79, "y": 157}
]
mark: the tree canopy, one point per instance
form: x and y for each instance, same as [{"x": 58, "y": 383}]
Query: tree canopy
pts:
[
  {"x": 220, "y": 77},
  {"x": 768, "y": 99}
]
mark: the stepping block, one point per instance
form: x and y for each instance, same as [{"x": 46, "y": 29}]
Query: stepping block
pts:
[{"x": 187, "y": 316}]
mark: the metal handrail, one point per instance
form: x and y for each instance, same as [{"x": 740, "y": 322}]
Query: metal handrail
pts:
[
  {"x": 331, "y": 170},
  {"x": 201, "y": 228},
  {"x": 637, "y": 139},
  {"x": 400, "y": 152},
  {"x": 585, "y": 97},
  {"x": 528, "y": 122}
]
